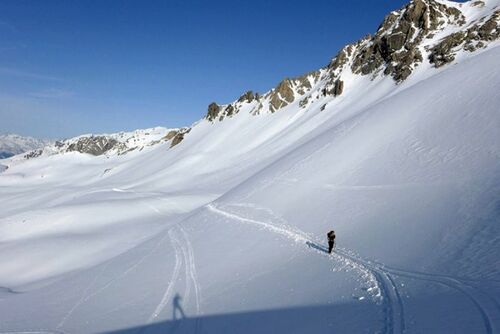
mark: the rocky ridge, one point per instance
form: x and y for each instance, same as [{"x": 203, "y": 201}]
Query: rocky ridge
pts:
[
  {"x": 113, "y": 144},
  {"x": 405, "y": 39},
  {"x": 423, "y": 31}
]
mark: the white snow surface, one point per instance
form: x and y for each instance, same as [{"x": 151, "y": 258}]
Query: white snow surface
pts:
[{"x": 225, "y": 232}]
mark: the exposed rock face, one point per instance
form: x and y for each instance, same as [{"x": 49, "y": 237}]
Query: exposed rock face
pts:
[
  {"x": 442, "y": 53},
  {"x": 404, "y": 38},
  {"x": 471, "y": 39},
  {"x": 402, "y": 41},
  {"x": 95, "y": 145},
  {"x": 338, "y": 88},
  {"x": 394, "y": 48},
  {"x": 177, "y": 139},
  {"x": 288, "y": 89},
  {"x": 335, "y": 88},
  {"x": 304, "y": 102},
  {"x": 171, "y": 134},
  {"x": 33, "y": 154},
  {"x": 220, "y": 112},
  {"x": 213, "y": 111},
  {"x": 282, "y": 95},
  {"x": 248, "y": 97},
  {"x": 179, "y": 136},
  {"x": 340, "y": 59}
]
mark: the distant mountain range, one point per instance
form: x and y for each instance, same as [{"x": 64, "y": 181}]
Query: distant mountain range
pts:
[{"x": 12, "y": 144}]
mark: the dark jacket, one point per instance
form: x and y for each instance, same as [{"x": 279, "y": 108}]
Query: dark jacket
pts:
[{"x": 331, "y": 236}]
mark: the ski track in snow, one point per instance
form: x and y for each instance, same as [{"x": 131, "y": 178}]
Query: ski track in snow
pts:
[
  {"x": 85, "y": 297},
  {"x": 82, "y": 299},
  {"x": 166, "y": 295},
  {"x": 393, "y": 307},
  {"x": 392, "y": 303},
  {"x": 183, "y": 255},
  {"x": 385, "y": 296},
  {"x": 185, "y": 247},
  {"x": 193, "y": 275},
  {"x": 383, "y": 291},
  {"x": 484, "y": 303},
  {"x": 187, "y": 274}
]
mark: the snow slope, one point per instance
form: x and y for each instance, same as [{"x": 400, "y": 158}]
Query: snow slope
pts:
[{"x": 228, "y": 227}]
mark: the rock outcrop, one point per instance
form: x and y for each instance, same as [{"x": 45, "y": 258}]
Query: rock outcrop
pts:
[
  {"x": 94, "y": 145},
  {"x": 404, "y": 39},
  {"x": 248, "y": 97},
  {"x": 335, "y": 88},
  {"x": 400, "y": 44},
  {"x": 179, "y": 136},
  {"x": 213, "y": 111},
  {"x": 475, "y": 37},
  {"x": 33, "y": 154},
  {"x": 282, "y": 95},
  {"x": 289, "y": 89},
  {"x": 394, "y": 49}
]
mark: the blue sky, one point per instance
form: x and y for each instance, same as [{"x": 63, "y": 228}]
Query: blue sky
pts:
[{"x": 73, "y": 67}]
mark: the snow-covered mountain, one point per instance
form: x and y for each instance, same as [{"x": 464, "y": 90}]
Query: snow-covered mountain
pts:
[
  {"x": 111, "y": 144},
  {"x": 221, "y": 227},
  {"x": 11, "y": 144}
]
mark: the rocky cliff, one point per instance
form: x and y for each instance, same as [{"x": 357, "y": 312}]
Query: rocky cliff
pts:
[{"x": 423, "y": 31}]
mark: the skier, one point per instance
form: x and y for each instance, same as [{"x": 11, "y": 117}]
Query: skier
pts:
[{"x": 331, "y": 241}]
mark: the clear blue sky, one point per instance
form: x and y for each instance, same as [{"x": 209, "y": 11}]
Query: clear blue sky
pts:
[{"x": 73, "y": 67}]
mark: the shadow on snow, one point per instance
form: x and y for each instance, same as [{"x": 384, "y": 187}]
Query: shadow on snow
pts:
[{"x": 343, "y": 318}]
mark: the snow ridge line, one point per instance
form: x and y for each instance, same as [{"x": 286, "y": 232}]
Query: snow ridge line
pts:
[
  {"x": 300, "y": 237},
  {"x": 166, "y": 296}
]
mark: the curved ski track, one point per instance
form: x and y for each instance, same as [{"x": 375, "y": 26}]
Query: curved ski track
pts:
[
  {"x": 184, "y": 249},
  {"x": 385, "y": 290},
  {"x": 383, "y": 284},
  {"x": 388, "y": 293}
]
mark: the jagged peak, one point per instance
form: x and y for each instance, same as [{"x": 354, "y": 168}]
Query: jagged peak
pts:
[
  {"x": 399, "y": 45},
  {"x": 285, "y": 92}
]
